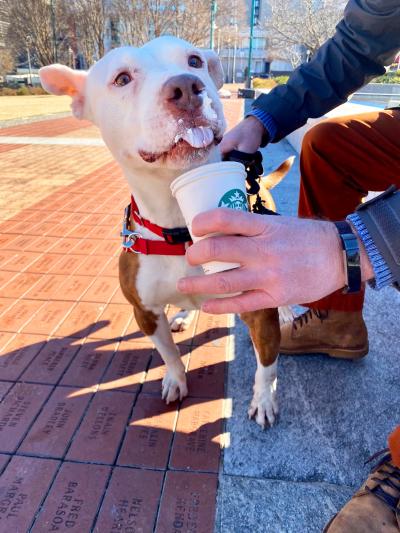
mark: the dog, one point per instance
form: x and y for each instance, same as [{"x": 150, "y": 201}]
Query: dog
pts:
[{"x": 160, "y": 115}]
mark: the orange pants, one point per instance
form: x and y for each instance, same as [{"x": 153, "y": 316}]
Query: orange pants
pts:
[
  {"x": 341, "y": 160},
  {"x": 394, "y": 446}
]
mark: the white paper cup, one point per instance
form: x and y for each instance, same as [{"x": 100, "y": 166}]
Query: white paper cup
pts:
[{"x": 216, "y": 185}]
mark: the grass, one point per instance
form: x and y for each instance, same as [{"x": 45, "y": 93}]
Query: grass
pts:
[{"x": 20, "y": 107}]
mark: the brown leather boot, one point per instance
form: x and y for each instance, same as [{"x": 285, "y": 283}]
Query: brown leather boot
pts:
[
  {"x": 375, "y": 508},
  {"x": 340, "y": 334}
]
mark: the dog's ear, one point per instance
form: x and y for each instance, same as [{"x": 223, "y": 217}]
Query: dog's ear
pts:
[
  {"x": 61, "y": 80},
  {"x": 215, "y": 68}
]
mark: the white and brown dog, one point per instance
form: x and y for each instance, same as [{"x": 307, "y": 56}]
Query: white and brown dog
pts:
[{"x": 159, "y": 114}]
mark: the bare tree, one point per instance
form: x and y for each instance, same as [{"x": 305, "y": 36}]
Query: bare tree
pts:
[
  {"x": 6, "y": 62},
  {"x": 301, "y": 23},
  {"x": 38, "y": 24}
]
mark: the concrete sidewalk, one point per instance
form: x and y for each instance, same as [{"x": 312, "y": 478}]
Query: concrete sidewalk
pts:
[{"x": 334, "y": 415}]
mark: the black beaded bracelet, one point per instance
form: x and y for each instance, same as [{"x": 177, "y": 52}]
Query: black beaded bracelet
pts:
[{"x": 351, "y": 256}]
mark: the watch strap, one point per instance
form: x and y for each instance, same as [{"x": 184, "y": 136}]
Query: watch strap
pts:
[{"x": 351, "y": 257}]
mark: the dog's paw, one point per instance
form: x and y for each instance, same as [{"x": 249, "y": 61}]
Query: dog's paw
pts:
[
  {"x": 181, "y": 321},
  {"x": 174, "y": 387},
  {"x": 264, "y": 406}
]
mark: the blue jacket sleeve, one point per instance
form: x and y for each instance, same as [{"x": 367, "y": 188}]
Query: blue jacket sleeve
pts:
[{"x": 366, "y": 40}]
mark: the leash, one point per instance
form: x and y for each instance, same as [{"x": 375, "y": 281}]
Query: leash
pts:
[
  {"x": 254, "y": 169},
  {"x": 175, "y": 241}
]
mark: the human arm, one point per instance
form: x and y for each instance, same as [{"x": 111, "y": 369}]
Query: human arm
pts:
[{"x": 366, "y": 39}]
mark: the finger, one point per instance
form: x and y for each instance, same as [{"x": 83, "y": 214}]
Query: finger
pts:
[
  {"x": 229, "y": 249},
  {"x": 231, "y": 281},
  {"x": 228, "y": 143},
  {"x": 229, "y": 222},
  {"x": 248, "y": 301}
]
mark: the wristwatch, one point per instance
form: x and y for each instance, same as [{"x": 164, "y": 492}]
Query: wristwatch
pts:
[{"x": 351, "y": 257}]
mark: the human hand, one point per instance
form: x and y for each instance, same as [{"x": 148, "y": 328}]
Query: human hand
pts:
[
  {"x": 245, "y": 137},
  {"x": 283, "y": 260}
]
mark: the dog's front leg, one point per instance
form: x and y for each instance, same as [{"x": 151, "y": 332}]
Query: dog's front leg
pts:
[
  {"x": 265, "y": 334},
  {"x": 174, "y": 383}
]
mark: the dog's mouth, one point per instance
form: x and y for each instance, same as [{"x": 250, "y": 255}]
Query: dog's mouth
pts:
[{"x": 193, "y": 142}]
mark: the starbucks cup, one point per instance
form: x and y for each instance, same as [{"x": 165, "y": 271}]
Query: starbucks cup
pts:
[{"x": 216, "y": 185}]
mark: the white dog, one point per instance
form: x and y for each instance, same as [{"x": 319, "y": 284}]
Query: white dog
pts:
[{"x": 159, "y": 114}]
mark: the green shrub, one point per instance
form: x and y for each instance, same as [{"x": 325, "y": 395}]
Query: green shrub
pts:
[
  {"x": 22, "y": 91},
  {"x": 264, "y": 83},
  {"x": 281, "y": 80},
  {"x": 389, "y": 77}
]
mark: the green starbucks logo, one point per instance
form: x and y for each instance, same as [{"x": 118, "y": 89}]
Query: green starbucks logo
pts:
[{"x": 234, "y": 199}]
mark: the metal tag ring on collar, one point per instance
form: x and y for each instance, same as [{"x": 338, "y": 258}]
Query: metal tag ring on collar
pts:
[{"x": 130, "y": 240}]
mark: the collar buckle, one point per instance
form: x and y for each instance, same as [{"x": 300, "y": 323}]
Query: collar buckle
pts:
[
  {"x": 129, "y": 237},
  {"x": 176, "y": 235}
]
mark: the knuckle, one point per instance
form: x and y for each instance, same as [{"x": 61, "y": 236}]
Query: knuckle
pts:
[
  {"x": 213, "y": 248},
  {"x": 223, "y": 285}
]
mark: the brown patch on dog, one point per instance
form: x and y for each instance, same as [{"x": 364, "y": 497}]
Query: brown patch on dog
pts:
[
  {"x": 265, "y": 333},
  {"x": 128, "y": 268}
]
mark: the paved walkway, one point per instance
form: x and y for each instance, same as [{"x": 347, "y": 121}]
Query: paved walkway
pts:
[{"x": 86, "y": 444}]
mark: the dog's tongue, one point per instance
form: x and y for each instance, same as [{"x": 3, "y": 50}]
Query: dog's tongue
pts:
[{"x": 198, "y": 137}]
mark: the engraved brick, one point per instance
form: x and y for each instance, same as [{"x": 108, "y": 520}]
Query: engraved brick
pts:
[
  {"x": 188, "y": 503},
  {"x": 50, "y": 316},
  {"x": 89, "y": 364},
  {"x": 81, "y": 320},
  {"x": 18, "y": 353},
  {"x": 148, "y": 438},
  {"x": 131, "y": 501},
  {"x": 23, "y": 483},
  {"x": 53, "y": 359},
  {"x": 198, "y": 432},
  {"x": 4, "y": 388},
  {"x": 211, "y": 330},
  {"x": 3, "y": 461},
  {"x": 20, "y": 284},
  {"x": 118, "y": 317},
  {"x": 102, "y": 429},
  {"x": 128, "y": 367},
  {"x": 44, "y": 264},
  {"x": 206, "y": 373},
  {"x": 101, "y": 290},
  {"x": 6, "y": 303},
  {"x": 47, "y": 288},
  {"x": 41, "y": 244},
  {"x": 18, "y": 315},
  {"x": 73, "y": 500},
  {"x": 75, "y": 286},
  {"x": 17, "y": 411},
  {"x": 53, "y": 430},
  {"x": 21, "y": 260},
  {"x": 92, "y": 265},
  {"x": 67, "y": 264}
]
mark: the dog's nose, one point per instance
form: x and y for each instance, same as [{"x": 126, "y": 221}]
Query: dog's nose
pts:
[{"x": 183, "y": 92}]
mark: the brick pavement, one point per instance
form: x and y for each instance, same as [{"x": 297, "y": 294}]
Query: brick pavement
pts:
[{"x": 86, "y": 444}]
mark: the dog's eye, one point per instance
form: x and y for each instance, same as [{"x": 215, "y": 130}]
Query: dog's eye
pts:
[
  {"x": 123, "y": 79},
  {"x": 195, "y": 62}
]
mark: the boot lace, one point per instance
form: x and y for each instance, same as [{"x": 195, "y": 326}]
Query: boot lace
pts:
[
  {"x": 306, "y": 317},
  {"x": 391, "y": 479}
]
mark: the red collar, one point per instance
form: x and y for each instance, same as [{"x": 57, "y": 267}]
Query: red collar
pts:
[{"x": 176, "y": 240}]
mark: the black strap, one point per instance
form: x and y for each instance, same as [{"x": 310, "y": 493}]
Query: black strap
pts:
[
  {"x": 254, "y": 170},
  {"x": 351, "y": 252}
]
